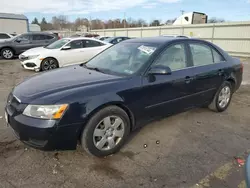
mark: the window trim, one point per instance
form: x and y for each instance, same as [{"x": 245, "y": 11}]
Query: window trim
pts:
[
  {"x": 187, "y": 57},
  {"x": 204, "y": 44}
]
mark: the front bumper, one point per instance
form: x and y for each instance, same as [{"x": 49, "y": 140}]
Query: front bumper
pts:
[
  {"x": 30, "y": 64},
  {"x": 42, "y": 134}
]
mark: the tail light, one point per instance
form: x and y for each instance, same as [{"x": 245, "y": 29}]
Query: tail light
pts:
[{"x": 241, "y": 67}]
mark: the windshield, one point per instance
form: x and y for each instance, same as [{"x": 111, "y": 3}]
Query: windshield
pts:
[
  {"x": 123, "y": 58},
  {"x": 58, "y": 44}
]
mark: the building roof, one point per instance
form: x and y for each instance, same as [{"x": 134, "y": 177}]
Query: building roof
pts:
[{"x": 13, "y": 16}]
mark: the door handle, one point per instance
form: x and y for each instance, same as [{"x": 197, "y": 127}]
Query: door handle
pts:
[{"x": 188, "y": 79}]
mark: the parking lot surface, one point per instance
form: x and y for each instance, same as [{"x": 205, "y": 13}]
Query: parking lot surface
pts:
[{"x": 197, "y": 148}]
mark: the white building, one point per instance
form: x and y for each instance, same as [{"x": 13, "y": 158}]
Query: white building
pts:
[{"x": 13, "y": 23}]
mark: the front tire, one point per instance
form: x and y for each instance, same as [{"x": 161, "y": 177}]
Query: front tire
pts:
[
  {"x": 106, "y": 131},
  {"x": 7, "y": 53},
  {"x": 49, "y": 64},
  {"x": 222, "y": 98}
]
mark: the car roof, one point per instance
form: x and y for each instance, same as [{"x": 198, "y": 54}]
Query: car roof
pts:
[
  {"x": 158, "y": 40},
  {"x": 83, "y": 38},
  {"x": 39, "y": 32}
]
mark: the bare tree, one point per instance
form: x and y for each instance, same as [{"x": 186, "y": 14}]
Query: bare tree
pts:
[
  {"x": 155, "y": 23},
  {"x": 170, "y": 21},
  {"x": 216, "y": 20}
]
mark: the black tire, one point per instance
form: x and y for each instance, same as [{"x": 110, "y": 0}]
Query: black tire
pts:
[
  {"x": 7, "y": 53},
  {"x": 49, "y": 64},
  {"x": 215, "y": 104},
  {"x": 87, "y": 137}
]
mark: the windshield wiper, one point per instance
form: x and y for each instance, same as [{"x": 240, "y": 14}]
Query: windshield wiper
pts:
[{"x": 90, "y": 68}]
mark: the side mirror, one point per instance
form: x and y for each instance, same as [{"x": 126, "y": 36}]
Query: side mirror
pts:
[
  {"x": 160, "y": 70},
  {"x": 66, "y": 48},
  {"x": 18, "y": 40}
]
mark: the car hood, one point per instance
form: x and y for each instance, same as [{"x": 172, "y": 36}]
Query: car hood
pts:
[
  {"x": 57, "y": 81},
  {"x": 36, "y": 51}
]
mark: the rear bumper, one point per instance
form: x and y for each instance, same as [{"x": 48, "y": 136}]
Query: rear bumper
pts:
[{"x": 44, "y": 134}]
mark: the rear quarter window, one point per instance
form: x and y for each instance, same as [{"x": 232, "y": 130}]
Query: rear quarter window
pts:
[{"x": 217, "y": 56}]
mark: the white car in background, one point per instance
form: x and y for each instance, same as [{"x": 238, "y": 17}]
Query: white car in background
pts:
[{"x": 64, "y": 52}]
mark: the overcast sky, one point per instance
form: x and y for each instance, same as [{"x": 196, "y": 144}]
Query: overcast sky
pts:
[{"x": 231, "y": 10}]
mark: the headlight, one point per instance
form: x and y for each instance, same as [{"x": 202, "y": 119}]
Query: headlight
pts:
[
  {"x": 45, "y": 111},
  {"x": 33, "y": 56}
]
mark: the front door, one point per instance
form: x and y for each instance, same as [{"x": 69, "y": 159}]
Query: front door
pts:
[
  {"x": 23, "y": 43},
  {"x": 74, "y": 54},
  {"x": 168, "y": 94}
]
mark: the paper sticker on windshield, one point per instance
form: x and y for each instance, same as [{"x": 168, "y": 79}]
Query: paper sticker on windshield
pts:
[{"x": 147, "y": 49}]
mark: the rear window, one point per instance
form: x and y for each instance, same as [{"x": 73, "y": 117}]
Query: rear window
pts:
[
  {"x": 92, "y": 43},
  {"x": 217, "y": 57},
  {"x": 4, "y": 36}
]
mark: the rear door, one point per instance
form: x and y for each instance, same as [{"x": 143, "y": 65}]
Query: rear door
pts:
[
  {"x": 168, "y": 94},
  {"x": 39, "y": 40},
  {"x": 208, "y": 69}
]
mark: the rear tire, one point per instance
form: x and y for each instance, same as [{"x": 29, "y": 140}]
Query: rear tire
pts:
[
  {"x": 7, "y": 53},
  {"x": 222, "y": 98},
  {"x": 49, "y": 64},
  {"x": 106, "y": 131}
]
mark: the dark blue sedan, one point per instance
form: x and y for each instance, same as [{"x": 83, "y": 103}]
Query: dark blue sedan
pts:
[{"x": 129, "y": 84}]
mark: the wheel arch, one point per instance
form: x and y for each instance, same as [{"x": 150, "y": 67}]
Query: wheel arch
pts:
[
  {"x": 119, "y": 104},
  {"x": 51, "y": 58},
  {"x": 9, "y": 48},
  {"x": 232, "y": 79}
]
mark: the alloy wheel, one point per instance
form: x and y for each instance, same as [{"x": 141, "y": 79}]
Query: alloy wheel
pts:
[
  {"x": 49, "y": 64},
  {"x": 108, "y": 133},
  {"x": 7, "y": 54},
  {"x": 224, "y": 97}
]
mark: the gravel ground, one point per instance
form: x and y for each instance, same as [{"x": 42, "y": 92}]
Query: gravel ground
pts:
[{"x": 193, "y": 149}]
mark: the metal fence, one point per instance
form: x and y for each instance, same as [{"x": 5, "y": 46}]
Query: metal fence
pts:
[{"x": 234, "y": 37}]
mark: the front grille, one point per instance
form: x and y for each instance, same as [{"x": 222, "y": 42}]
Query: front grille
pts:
[{"x": 30, "y": 64}]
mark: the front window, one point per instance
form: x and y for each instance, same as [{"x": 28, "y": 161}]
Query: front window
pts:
[
  {"x": 123, "y": 58},
  {"x": 173, "y": 57},
  {"x": 22, "y": 38},
  {"x": 58, "y": 44}
]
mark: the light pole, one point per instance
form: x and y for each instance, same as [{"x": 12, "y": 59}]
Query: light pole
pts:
[{"x": 124, "y": 20}]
